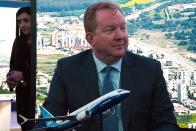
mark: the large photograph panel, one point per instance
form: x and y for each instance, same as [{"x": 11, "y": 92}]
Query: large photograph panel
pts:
[{"x": 159, "y": 29}]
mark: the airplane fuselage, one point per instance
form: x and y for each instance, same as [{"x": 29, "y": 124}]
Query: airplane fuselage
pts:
[{"x": 96, "y": 107}]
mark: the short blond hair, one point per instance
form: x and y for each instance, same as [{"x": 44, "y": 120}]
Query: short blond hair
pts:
[{"x": 90, "y": 14}]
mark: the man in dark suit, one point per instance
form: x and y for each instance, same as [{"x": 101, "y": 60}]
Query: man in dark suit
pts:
[{"x": 78, "y": 79}]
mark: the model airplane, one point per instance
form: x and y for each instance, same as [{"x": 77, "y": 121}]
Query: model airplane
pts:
[{"x": 100, "y": 106}]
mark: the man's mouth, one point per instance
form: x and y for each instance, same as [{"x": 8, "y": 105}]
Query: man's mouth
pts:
[{"x": 118, "y": 45}]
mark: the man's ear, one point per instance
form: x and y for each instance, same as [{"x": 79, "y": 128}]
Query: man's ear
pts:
[{"x": 89, "y": 38}]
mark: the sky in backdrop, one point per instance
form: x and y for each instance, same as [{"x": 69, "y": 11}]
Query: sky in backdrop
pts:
[{"x": 7, "y": 29}]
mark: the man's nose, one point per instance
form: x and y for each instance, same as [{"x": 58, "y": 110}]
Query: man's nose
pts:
[{"x": 119, "y": 33}]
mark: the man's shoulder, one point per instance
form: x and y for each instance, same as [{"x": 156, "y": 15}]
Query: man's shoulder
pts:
[
  {"x": 140, "y": 58},
  {"x": 141, "y": 63},
  {"x": 75, "y": 58}
]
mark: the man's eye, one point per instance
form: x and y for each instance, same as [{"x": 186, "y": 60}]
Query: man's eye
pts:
[
  {"x": 123, "y": 28},
  {"x": 109, "y": 29}
]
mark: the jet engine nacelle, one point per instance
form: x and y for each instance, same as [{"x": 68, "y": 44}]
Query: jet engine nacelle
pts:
[{"x": 83, "y": 115}]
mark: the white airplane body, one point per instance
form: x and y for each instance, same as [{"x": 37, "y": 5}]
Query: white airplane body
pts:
[{"x": 99, "y": 106}]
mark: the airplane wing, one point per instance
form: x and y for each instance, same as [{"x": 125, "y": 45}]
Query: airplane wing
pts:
[{"x": 48, "y": 118}]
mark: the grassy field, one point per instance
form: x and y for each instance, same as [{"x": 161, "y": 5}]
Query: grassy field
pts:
[
  {"x": 46, "y": 63},
  {"x": 158, "y": 38},
  {"x": 183, "y": 120}
]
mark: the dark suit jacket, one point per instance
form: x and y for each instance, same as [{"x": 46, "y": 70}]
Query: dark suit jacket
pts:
[{"x": 75, "y": 83}]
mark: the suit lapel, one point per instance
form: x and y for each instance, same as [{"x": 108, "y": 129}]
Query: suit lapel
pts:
[
  {"x": 91, "y": 84},
  {"x": 127, "y": 83},
  {"x": 91, "y": 77}
]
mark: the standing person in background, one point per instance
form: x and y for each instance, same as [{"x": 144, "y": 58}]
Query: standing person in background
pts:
[
  {"x": 80, "y": 79},
  {"x": 19, "y": 76}
]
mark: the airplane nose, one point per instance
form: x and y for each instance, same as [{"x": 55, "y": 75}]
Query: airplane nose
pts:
[{"x": 126, "y": 92}]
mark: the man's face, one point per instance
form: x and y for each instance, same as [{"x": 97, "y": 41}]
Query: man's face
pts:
[
  {"x": 24, "y": 23},
  {"x": 110, "y": 38}
]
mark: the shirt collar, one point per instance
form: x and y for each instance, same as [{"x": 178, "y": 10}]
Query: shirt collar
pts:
[{"x": 100, "y": 65}]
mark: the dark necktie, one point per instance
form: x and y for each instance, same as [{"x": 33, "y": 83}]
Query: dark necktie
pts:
[{"x": 110, "y": 123}]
